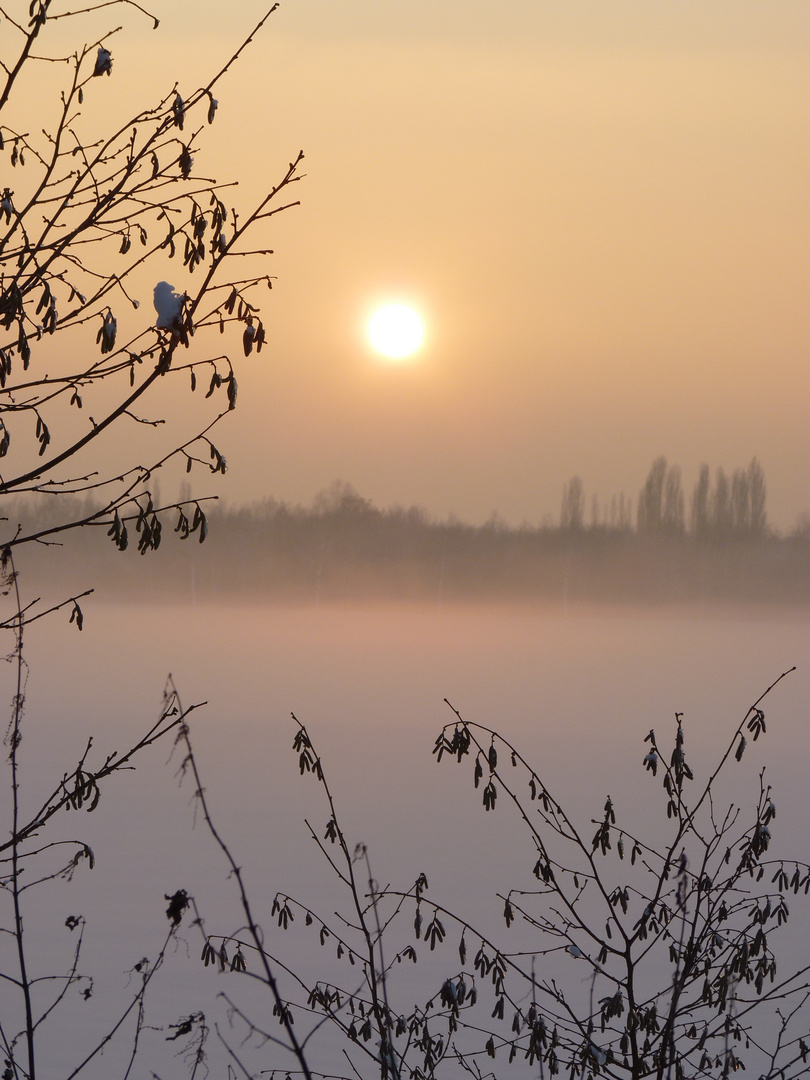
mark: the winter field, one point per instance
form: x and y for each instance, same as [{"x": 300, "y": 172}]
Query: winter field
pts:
[{"x": 575, "y": 694}]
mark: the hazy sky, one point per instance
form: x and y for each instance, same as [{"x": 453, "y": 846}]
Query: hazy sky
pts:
[{"x": 602, "y": 211}]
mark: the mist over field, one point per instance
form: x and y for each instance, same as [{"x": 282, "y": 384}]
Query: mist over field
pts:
[
  {"x": 575, "y": 693},
  {"x": 344, "y": 549},
  {"x": 572, "y": 640}
]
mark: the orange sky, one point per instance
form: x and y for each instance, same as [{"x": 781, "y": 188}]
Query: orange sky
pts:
[{"x": 602, "y": 210}]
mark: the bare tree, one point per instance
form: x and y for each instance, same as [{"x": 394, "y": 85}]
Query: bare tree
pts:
[
  {"x": 641, "y": 954},
  {"x": 722, "y": 513},
  {"x": 757, "y": 492},
  {"x": 572, "y": 514},
  {"x": 651, "y": 498},
  {"x": 86, "y": 226},
  {"x": 81, "y": 359},
  {"x": 672, "y": 517},
  {"x": 700, "y": 519},
  {"x": 740, "y": 503},
  {"x": 660, "y": 502}
]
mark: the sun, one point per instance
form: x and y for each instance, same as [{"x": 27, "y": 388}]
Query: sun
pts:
[{"x": 396, "y": 331}]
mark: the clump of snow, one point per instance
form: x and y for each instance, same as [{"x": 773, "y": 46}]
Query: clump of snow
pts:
[
  {"x": 168, "y": 305},
  {"x": 103, "y": 62},
  {"x": 598, "y": 1055}
]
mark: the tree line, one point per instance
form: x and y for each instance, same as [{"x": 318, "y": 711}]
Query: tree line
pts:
[
  {"x": 344, "y": 548},
  {"x": 722, "y": 507}
]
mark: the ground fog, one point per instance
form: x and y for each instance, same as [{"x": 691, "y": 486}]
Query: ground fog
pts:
[{"x": 576, "y": 693}]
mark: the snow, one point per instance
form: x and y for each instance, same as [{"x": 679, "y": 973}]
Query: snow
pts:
[
  {"x": 103, "y": 62},
  {"x": 168, "y": 305}
]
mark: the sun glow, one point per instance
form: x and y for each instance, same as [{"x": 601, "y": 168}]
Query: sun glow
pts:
[{"x": 396, "y": 331}]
